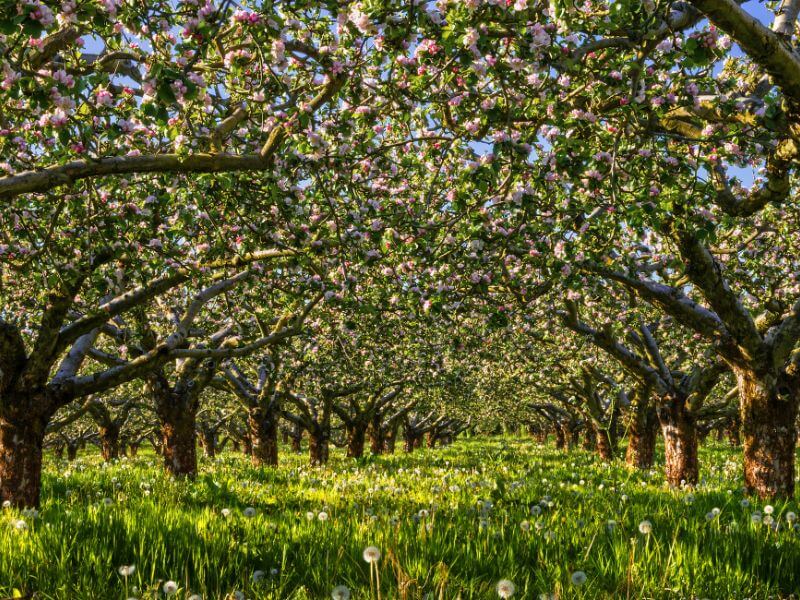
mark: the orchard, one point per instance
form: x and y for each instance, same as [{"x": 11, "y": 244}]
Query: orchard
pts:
[{"x": 399, "y": 299}]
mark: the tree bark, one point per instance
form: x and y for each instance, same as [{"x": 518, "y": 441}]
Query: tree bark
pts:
[
  {"x": 209, "y": 442},
  {"x": 605, "y": 443},
  {"x": 178, "y": 439},
  {"x": 109, "y": 441},
  {"x": 431, "y": 439},
  {"x": 561, "y": 437},
  {"x": 590, "y": 438},
  {"x": 769, "y": 408},
  {"x": 263, "y": 426},
  {"x": 21, "y": 447},
  {"x": 680, "y": 442},
  {"x": 318, "y": 449},
  {"x": 356, "y": 436},
  {"x": 411, "y": 440},
  {"x": 574, "y": 436},
  {"x": 733, "y": 432},
  {"x": 642, "y": 438},
  {"x": 134, "y": 449},
  {"x": 297, "y": 440},
  {"x": 377, "y": 441},
  {"x": 390, "y": 439}
]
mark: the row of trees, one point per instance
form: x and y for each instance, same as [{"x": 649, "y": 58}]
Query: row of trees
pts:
[{"x": 301, "y": 203}]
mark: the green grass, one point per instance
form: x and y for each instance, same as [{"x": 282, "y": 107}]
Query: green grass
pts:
[{"x": 460, "y": 549}]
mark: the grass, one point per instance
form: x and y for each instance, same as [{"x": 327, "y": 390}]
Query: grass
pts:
[{"x": 450, "y": 523}]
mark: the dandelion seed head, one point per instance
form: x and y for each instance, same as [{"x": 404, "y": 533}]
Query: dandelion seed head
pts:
[
  {"x": 372, "y": 554},
  {"x": 505, "y": 588}
]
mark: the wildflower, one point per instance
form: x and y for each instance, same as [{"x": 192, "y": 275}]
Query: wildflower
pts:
[
  {"x": 645, "y": 527},
  {"x": 249, "y": 512},
  {"x": 258, "y": 576},
  {"x": 768, "y": 509},
  {"x": 505, "y": 588},
  {"x": 791, "y": 517},
  {"x": 525, "y": 526},
  {"x": 340, "y": 592},
  {"x": 372, "y": 554},
  {"x": 322, "y": 516},
  {"x": 578, "y": 578},
  {"x": 127, "y": 570},
  {"x": 170, "y": 588},
  {"x": 226, "y": 512},
  {"x": 20, "y": 525}
]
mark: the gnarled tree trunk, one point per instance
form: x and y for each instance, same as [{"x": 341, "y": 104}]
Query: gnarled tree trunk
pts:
[
  {"x": 642, "y": 438},
  {"x": 178, "y": 432},
  {"x": 680, "y": 442},
  {"x": 109, "y": 441},
  {"x": 431, "y": 439},
  {"x": 208, "y": 439},
  {"x": 769, "y": 408},
  {"x": 589, "y": 438},
  {"x": 21, "y": 447},
  {"x": 376, "y": 437},
  {"x": 263, "y": 426},
  {"x": 318, "y": 447},
  {"x": 605, "y": 443},
  {"x": 561, "y": 437},
  {"x": 297, "y": 439},
  {"x": 356, "y": 436},
  {"x": 390, "y": 438}
]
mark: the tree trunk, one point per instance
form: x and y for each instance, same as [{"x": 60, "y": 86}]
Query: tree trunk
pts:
[
  {"x": 109, "y": 441},
  {"x": 247, "y": 444},
  {"x": 605, "y": 443},
  {"x": 134, "y": 449},
  {"x": 732, "y": 431},
  {"x": 680, "y": 442},
  {"x": 356, "y": 436},
  {"x": 431, "y": 439},
  {"x": 769, "y": 407},
  {"x": 377, "y": 438},
  {"x": 561, "y": 437},
  {"x": 178, "y": 439},
  {"x": 209, "y": 442},
  {"x": 59, "y": 451},
  {"x": 389, "y": 439},
  {"x": 263, "y": 426},
  {"x": 318, "y": 449},
  {"x": 642, "y": 438},
  {"x": 72, "y": 451},
  {"x": 410, "y": 438},
  {"x": 236, "y": 445},
  {"x": 297, "y": 440},
  {"x": 21, "y": 447},
  {"x": 590, "y": 438},
  {"x": 574, "y": 436}
]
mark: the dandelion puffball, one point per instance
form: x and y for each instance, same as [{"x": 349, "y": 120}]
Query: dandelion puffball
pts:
[
  {"x": 249, "y": 512},
  {"x": 170, "y": 588},
  {"x": 127, "y": 570},
  {"x": 578, "y": 578},
  {"x": 340, "y": 592},
  {"x": 505, "y": 588},
  {"x": 645, "y": 527},
  {"x": 372, "y": 554}
]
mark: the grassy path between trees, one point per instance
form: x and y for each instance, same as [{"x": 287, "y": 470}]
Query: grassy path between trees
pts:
[{"x": 449, "y": 523}]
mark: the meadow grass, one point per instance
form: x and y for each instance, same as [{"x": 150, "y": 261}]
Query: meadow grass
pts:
[{"x": 449, "y": 523}]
